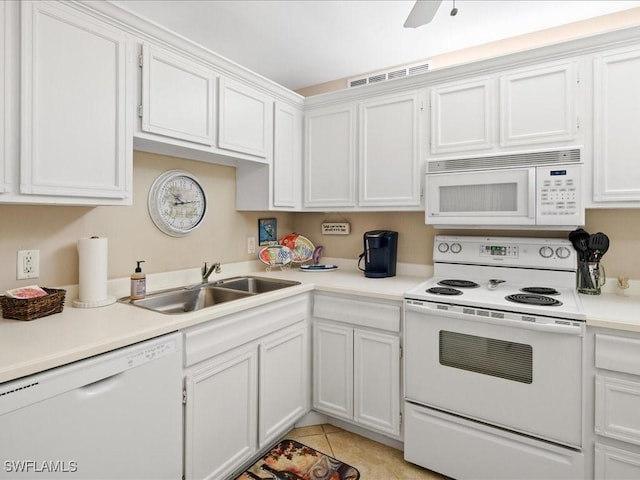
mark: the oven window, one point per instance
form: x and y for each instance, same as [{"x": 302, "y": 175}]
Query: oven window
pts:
[
  {"x": 498, "y": 358},
  {"x": 490, "y": 197}
]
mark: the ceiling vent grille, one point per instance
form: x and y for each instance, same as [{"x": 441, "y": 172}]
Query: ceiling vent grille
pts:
[{"x": 400, "y": 72}]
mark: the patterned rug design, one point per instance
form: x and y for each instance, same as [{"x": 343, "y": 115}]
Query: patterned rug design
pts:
[{"x": 290, "y": 460}]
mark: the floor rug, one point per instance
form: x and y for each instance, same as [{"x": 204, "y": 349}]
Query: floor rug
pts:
[{"x": 290, "y": 460}]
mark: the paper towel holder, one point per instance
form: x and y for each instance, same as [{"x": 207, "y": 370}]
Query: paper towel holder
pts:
[{"x": 93, "y": 303}]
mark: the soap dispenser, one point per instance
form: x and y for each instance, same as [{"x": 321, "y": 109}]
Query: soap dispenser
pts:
[{"x": 138, "y": 282}]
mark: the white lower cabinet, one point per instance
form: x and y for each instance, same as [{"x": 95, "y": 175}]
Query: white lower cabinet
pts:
[
  {"x": 615, "y": 463},
  {"x": 617, "y": 403},
  {"x": 242, "y": 399},
  {"x": 221, "y": 414},
  {"x": 356, "y": 368}
]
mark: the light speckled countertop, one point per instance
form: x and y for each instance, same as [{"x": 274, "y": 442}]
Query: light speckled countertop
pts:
[
  {"x": 77, "y": 333},
  {"x": 28, "y": 347}
]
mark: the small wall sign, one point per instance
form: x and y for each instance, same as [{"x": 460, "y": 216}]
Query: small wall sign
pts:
[{"x": 336, "y": 228}]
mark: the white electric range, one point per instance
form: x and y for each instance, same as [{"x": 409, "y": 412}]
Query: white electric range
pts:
[{"x": 493, "y": 348}]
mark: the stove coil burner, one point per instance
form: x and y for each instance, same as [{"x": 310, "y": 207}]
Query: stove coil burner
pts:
[
  {"x": 533, "y": 299},
  {"x": 458, "y": 283},
  {"x": 540, "y": 290},
  {"x": 444, "y": 291}
]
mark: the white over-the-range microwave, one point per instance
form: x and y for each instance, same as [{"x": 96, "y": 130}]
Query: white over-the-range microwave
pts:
[{"x": 540, "y": 189}]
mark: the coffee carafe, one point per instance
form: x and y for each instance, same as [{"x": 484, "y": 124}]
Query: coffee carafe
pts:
[{"x": 380, "y": 252}]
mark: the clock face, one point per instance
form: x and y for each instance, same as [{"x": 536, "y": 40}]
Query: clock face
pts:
[{"x": 177, "y": 203}]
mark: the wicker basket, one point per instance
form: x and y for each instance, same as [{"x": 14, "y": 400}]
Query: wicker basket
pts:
[{"x": 32, "y": 308}]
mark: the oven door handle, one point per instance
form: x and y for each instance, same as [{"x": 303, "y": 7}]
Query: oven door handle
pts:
[{"x": 515, "y": 322}]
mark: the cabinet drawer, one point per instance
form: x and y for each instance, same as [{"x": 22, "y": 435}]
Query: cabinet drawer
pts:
[
  {"x": 220, "y": 335},
  {"x": 620, "y": 354},
  {"x": 357, "y": 312},
  {"x": 617, "y": 407},
  {"x": 614, "y": 463}
]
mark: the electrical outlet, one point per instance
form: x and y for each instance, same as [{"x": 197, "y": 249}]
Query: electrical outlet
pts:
[
  {"x": 251, "y": 244},
  {"x": 28, "y": 264}
]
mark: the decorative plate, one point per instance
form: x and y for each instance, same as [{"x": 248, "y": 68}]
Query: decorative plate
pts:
[
  {"x": 275, "y": 255},
  {"x": 301, "y": 247}
]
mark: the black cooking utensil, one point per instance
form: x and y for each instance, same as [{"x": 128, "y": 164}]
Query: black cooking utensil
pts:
[
  {"x": 598, "y": 245},
  {"x": 580, "y": 240}
]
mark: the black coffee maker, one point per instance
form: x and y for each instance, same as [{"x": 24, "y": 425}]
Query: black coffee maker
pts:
[{"x": 380, "y": 252}]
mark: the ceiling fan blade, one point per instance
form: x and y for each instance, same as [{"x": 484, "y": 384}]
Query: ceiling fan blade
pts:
[{"x": 422, "y": 13}]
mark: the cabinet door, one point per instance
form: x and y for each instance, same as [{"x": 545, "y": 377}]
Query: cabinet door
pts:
[
  {"x": 616, "y": 116},
  {"x": 462, "y": 117},
  {"x": 3, "y": 112},
  {"x": 333, "y": 369},
  {"x": 76, "y": 141},
  {"x": 329, "y": 178},
  {"x": 538, "y": 105},
  {"x": 617, "y": 406},
  {"x": 287, "y": 156},
  {"x": 284, "y": 382},
  {"x": 245, "y": 119},
  {"x": 614, "y": 463},
  {"x": 389, "y": 173},
  {"x": 221, "y": 415},
  {"x": 377, "y": 380},
  {"x": 177, "y": 96}
]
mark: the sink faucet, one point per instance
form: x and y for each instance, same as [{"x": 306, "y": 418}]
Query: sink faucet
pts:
[{"x": 207, "y": 271}]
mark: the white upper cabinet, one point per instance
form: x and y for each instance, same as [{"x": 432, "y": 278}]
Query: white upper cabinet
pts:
[
  {"x": 330, "y": 157},
  {"x": 462, "y": 116},
  {"x": 538, "y": 105},
  {"x": 245, "y": 119},
  {"x": 75, "y": 119},
  {"x": 178, "y": 98},
  {"x": 389, "y": 157},
  {"x": 530, "y": 106},
  {"x": 616, "y": 128},
  {"x": 385, "y": 172},
  {"x": 3, "y": 107},
  {"x": 287, "y": 156}
]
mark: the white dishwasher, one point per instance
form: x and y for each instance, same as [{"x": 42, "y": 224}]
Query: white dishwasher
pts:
[{"x": 113, "y": 416}]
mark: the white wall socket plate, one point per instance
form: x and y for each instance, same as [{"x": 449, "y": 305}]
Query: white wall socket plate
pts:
[{"x": 28, "y": 264}]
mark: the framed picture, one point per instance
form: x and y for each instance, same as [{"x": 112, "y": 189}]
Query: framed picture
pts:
[{"x": 267, "y": 231}]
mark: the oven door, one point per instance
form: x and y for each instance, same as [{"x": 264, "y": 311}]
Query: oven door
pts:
[
  {"x": 509, "y": 372},
  {"x": 490, "y": 197}
]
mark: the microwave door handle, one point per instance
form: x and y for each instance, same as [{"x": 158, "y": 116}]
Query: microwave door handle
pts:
[{"x": 532, "y": 192}]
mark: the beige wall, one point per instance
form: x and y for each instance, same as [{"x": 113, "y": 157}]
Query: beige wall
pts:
[{"x": 54, "y": 230}]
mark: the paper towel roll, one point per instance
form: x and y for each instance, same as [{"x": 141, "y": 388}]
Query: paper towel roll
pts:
[{"x": 92, "y": 273}]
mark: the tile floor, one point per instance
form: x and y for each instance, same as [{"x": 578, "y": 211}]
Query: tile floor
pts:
[{"x": 373, "y": 460}]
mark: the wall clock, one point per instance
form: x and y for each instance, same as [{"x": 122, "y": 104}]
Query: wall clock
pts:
[{"x": 177, "y": 203}]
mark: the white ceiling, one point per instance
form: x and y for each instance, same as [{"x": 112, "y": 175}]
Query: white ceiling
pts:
[{"x": 299, "y": 43}]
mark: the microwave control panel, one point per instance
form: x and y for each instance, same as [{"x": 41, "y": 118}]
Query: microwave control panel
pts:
[{"x": 558, "y": 195}]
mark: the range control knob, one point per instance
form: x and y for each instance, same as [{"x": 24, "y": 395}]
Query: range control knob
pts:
[
  {"x": 546, "y": 252},
  {"x": 456, "y": 248},
  {"x": 563, "y": 252},
  {"x": 443, "y": 247}
]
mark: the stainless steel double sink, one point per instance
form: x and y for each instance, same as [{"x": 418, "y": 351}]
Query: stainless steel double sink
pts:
[{"x": 197, "y": 297}]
